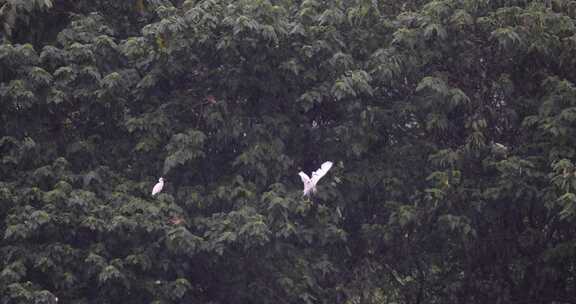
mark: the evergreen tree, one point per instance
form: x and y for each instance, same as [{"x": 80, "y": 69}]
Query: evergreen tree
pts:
[{"x": 451, "y": 125}]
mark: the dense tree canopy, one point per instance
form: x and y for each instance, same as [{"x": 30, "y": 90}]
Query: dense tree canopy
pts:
[{"x": 451, "y": 125}]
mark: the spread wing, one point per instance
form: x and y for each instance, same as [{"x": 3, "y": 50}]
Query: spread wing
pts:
[
  {"x": 307, "y": 183},
  {"x": 304, "y": 177},
  {"x": 318, "y": 174}
]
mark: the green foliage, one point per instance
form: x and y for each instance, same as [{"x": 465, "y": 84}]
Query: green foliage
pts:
[{"x": 451, "y": 125}]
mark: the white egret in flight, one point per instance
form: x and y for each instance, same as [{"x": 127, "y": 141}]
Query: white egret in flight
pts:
[
  {"x": 310, "y": 182},
  {"x": 158, "y": 187}
]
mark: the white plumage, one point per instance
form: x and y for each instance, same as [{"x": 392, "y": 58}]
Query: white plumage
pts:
[
  {"x": 158, "y": 187},
  {"x": 310, "y": 183}
]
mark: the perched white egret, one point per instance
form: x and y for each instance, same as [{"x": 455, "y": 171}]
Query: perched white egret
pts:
[
  {"x": 158, "y": 187},
  {"x": 310, "y": 183}
]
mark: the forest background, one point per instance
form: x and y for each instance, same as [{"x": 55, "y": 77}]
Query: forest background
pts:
[{"x": 451, "y": 124}]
